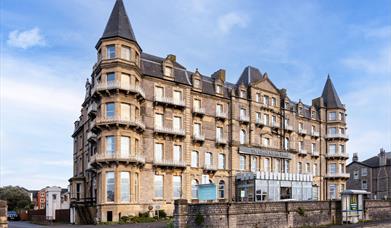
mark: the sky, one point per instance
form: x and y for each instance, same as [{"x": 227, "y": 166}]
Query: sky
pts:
[{"x": 48, "y": 50}]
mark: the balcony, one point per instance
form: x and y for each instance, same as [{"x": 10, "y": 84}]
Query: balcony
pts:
[
  {"x": 244, "y": 118},
  {"x": 315, "y": 133},
  {"x": 221, "y": 141},
  {"x": 337, "y": 175},
  {"x": 169, "y": 131},
  {"x": 260, "y": 123},
  {"x": 170, "y": 101},
  {"x": 274, "y": 125},
  {"x": 114, "y": 157},
  {"x": 91, "y": 137},
  {"x": 169, "y": 163},
  {"x": 337, "y": 136},
  {"x": 92, "y": 110},
  {"x": 302, "y": 152},
  {"x": 118, "y": 120},
  {"x": 198, "y": 111},
  {"x": 288, "y": 127},
  {"x": 315, "y": 153},
  {"x": 221, "y": 115},
  {"x": 337, "y": 156},
  {"x": 302, "y": 131},
  {"x": 117, "y": 85},
  {"x": 292, "y": 148},
  {"x": 210, "y": 167},
  {"x": 198, "y": 137}
]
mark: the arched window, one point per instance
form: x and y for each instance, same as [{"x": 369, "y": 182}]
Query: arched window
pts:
[
  {"x": 242, "y": 136},
  {"x": 286, "y": 143},
  {"x": 221, "y": 189},
  {"x": 194, "y": 189}
]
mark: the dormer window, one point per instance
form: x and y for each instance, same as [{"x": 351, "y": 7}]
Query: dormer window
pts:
[
  {"x": 197, "y": 83},
  {"x": 258, "y": 97},
  {"x": 219, "y": 89},
  {"x": 110, "y": 49},
  {"x": 242, "y": 93},
  {"x": 125, "y": 53},
  {"x": 300, "y": 111},
  {"x": 99, "y": 55},
  {"x": 168, "y": 71}
]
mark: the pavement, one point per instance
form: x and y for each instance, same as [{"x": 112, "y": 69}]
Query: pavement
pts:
[
  {"x": 23, "y": 224},
  {"x": 377, "y": 224}
]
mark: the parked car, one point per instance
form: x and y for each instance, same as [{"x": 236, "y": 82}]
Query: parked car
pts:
[{"x": 12, "y": 215}]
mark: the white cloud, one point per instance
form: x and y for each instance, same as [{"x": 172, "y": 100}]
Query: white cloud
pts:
[
  {"x": 26, "y": 39},
  {"x": 230, "y": 20}
]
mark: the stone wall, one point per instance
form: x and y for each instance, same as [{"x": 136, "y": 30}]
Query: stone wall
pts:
[
  {"x": 3, "y": 214},
  {"x": 377, "y": 209},
  {"x": 267, "y": 214}
]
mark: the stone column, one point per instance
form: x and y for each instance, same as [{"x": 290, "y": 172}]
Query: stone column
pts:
[{"x": 180, "y": 213}]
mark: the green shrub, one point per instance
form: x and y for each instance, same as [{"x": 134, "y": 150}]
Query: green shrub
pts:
[
  {"x": 162, "y": 214},
  {"x": 145, "y": 214},
  {"x": 300, "y": 211},
  {"x": 199, "y": 219}
]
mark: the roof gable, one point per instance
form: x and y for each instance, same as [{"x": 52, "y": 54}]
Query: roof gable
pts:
[
  {"x": 266, "y": 84},
  {"x": 330, "y": 96}
]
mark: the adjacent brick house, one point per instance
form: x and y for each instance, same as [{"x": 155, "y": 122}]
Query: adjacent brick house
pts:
[
  {"x": 150, "y": 131},
  {"x": 372, "y": 175}
]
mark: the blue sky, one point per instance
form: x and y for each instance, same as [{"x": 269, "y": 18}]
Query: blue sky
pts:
[{"x": 47, "y": 53}]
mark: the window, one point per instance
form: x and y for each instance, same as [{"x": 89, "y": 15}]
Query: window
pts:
[
  {"x": 276, "y": 166},
  {"x": 54, "y": 196},
  {"x": 286, "y": 166},
  {"x": 125, "y": 80},
  {"x": 313, "y": 147},
  {"x": 355, "y": 174},
  {"x": 301, "y": 145},
  {"x": 110, "y": 77},
  {"x": 315, "y": 169},
  {"x": 158, "y": 120},
  {"x": 177, "y": 186},
  {"x": 219, "y": 133},
  {"x": 364, "y": 184},
  {"x": 242, "y": 93},
  {"x": 299, "y": 168},
  {"x": 194, "y": 189},
  {"x": 218, "y": 89},
  {"x": 332, "y": 149},
  {"x": 125, "y": 112},
  {"x": 110, "y": 145},
  {"x": 219, "y": 108},
  {"x": 265, "y": 142},
  {"x": 125, "y": 186},
  {"x": 274, "y": 120},
  {"x": 266, "y": 100},
  {"x": 221, "y": 189},
  {"x": 177, "y": 96},
  {"x": 253, "y": 164},
  {"x": 266, "y": 165},
  {"x": 197, "y": 104},
  {"x": 286, "y": 143},
  {"x": 332, "y": 130},
  {"x": 258, "y": 117},
  {"x": 197, "y": 83},
  {"x": 110, "y": 110},
  {"x": 197, "y": 129},
  {"x": 340, "y": 116},
  {"x": 158, "y": 151},
  {"x": 364, "y": 172},
  {"x": 177, "y": 123},
  {"x": 158, "y": 184},
  {"x": 221, "y": 161},
  {"x": 333, "y": 191},
  {"x": 313, "y": 114},
  {"x": 274, "y": 102},
  {"x": 110, "y": 49},
  {"x": 307, "y": 168},
  {"x": 257, "y": 97},
  {"x": 242, "y": 162},
  {"x": 208, "y": 158},
  {"x": 301, "y": 126},
  {"x": 342, "y": 149},
  {"x": 125, "y": 52},
  {"x": 313, "y": 129},
  {"x": 110, "y": 184},
  {"x": 159, "y": 91},
  {"x": 242, "y": 113},
  {"x": 177, "y": 152},
  {"x": 332, "y": 116},
  {"x": 125, "y": 146},
  {"x": 266, "y": 119},
  {"x": 332, "y": 168},
  {"x": 136, "y": 185},
  {"x": 300, "y": 111},
  {"x": 168, "y": 71},
  {"x": 242, "y": 136},
  {"x": 194, "y": 159}
]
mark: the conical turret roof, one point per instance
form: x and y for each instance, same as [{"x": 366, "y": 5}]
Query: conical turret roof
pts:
[{"x": 330, "y": 96}]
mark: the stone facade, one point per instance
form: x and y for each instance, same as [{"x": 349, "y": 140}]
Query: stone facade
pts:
[
  {"x": 372, "y": 175},
  {"x": 3, "y": 214},
  {"x": 151, "y": 125}
]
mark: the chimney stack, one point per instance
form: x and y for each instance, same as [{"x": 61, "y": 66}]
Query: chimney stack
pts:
[
  {"x": 355, "y": 157},
  {"x": 382, "y": 157}
]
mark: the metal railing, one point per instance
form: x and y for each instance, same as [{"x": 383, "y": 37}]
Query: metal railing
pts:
[
  {"x": 302, "y": 131},
  {"x": 120, "y": 120},
  {"x": 198, "y": 110},
  {"x": 220, "y": 114},
  {"x": 315, "y": 153},
  {"x": 166, "y": 162},
  {"x": 117, "y": 156},
  {"x": 221, "y": 140},
  {"x": 337, "y": 155},
  {"x": 167, "y": 130},
  {"x": 169, "y": 100},
  {"x": 118, "y": 85},
  {"x": 337, "y": 135},
  {"x": 244, "y": 118},
  {"x": 289, "y": 127},
  {"x": 338, "y": 175},
  {"x": 302, "y": 151},
  {"x": 315, "y": 133},
  {"x": 198, "y": 137},
  {"x": 210, "y": 167}
]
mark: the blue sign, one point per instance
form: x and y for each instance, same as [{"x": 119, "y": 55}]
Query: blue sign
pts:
[{"x": 207, "y": 192}]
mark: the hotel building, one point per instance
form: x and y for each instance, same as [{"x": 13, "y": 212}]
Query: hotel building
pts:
[{"x": 151, "y": 131}]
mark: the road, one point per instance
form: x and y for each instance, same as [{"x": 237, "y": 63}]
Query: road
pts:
[{"x": 30, "y": 225}]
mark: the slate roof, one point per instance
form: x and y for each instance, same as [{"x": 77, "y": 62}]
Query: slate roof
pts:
[
  {"x": 118, "y": 24},
  {"x": 373, "y": 162},
  {"x": 330, "y": 96},
  {"x": 250, "y": 74}
]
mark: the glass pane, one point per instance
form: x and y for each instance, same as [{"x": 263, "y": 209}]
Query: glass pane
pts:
[
  {"x": 110, "y": 145},
  {"x": 110, "y": 184},
  {"x": 110, "y": 110},
  {"x": 125, "y": 145},
  {"x": 177, "y": 153},
  {"x": 125, "y": 187},
  {"x": 158, "y": 152},
  {"x": 158, "y": 186},
  {"x": 125, "y": 112},
  {"x": 110, "y": 77}
]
